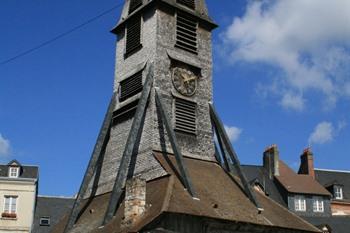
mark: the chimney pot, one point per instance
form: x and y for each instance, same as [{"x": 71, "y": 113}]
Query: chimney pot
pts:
[{"x": 307, "y": 163}]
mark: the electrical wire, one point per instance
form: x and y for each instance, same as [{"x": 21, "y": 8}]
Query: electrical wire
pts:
[{"x": 60, "y": 36}]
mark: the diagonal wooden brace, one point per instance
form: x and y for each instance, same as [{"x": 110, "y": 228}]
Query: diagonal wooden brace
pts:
[
  {"x": 134, "y": 136},
  {"x": 171, "y": 134},
  {"x": 91, "y": 168},
  {"x": 229, "y": 151}
]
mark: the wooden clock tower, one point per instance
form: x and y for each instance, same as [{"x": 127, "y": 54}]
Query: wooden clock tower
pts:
[{"x": 155, "y": 167}]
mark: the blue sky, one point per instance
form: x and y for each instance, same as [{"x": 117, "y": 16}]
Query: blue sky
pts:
[{"x": 281, "y": 76}]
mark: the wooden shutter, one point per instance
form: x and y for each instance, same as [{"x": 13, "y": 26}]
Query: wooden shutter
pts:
[
  {"x": 133, "y": 35},
  {"x": 130, "y": 86},
  {"x": 188, "y": 3},
  {"x": 134, "y": 4},
  {"x": 186, "y": 33},
  {"x": 185, "y": 116}
]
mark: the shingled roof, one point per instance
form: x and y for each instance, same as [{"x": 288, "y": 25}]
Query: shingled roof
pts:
[
  {"x": 220, "y": 196},
  {"x": 26, "y": 172},
  {"x": 52, "y": 207},
  {"x": 338, "y": 224},
  {"x": 296, "y": 183},
  {"x": 330, "y": 177},
  {"x": 259, "y": 173}
]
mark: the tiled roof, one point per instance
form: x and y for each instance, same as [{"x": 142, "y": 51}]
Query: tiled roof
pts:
[
  {"x": 338, "y": 224},
  {"x": 259, "y": 172},
  {"x": 53, "y": 207},
  {"x": 28, "y": 172},
  {"x": 219, "y": 197},
  {"x": 296, "y": 183},
  {"x": 328, "y": 177}
]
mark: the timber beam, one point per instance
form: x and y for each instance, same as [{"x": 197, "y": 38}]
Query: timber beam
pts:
[
  {"x": 230, "y": 153},
  {"x": 100, "y": 145},
  {"x": 131, "y": 144},
  {"x": 176, "y": 149}
]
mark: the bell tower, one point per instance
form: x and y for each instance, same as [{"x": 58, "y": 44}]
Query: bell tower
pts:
[
  {"x": 174, "y": 37},
  {"x": 155, "y": 167}
]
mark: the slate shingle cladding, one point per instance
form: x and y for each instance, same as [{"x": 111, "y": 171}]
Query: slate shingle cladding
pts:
[
  {"x": 28, "y": 172},
  {"x": 338, "y": 224},
  {"x": 328, "y": 178},
  {"x": 53, "y": 207}
]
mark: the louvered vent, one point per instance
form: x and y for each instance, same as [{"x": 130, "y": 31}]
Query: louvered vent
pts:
[
  {"x": 134, "y": 4},
  {"x": 133, "y": 35},
  {"x": 185, "y": 116},
  {"x": 186, "y": 33},
  {"x": 188, "y": 3},
  {"x": 131, "y": 86}
]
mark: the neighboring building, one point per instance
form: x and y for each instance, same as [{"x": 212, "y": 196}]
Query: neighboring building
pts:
[
  {"x": 300, "y": 193},
  {"x": 338, "y": 183},
  {"x": 49, "y": 211},
  {"x": 154, "y": 166},
  {"x": 306, "y": 193},
  {"x": 18, "y": 189}
]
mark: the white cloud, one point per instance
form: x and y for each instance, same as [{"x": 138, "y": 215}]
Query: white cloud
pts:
[
  {"x": 233, "y": 133},
  {"x": 4, "y": 146},
  {"x": 292, "y": 101},
  {"x": 325, "y": 132},
  {"x": 309, "y": 41}
]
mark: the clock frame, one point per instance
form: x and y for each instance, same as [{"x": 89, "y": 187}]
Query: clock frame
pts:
[{"x": 185, "y": 81}]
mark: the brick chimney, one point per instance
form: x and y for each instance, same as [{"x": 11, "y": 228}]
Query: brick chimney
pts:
[
  {"x": 135, "y": 200},
  {"x": 271, "y": 161},
  {"x": 307, "y": 163}
]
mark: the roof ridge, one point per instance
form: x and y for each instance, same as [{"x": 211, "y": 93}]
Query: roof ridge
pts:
[
  {"x": 332, "y": 170},
  {"x": 61, "y": 197}
]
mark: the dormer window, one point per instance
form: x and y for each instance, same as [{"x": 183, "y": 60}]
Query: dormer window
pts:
[
  {"x": 45, "y": 221},
  {"x": 338, "y": 192},
  {"x": 13, "y": 172}
]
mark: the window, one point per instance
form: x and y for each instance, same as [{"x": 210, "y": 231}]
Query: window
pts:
[
  {"x": 13, "y": 172},
  {"x": 133, "y": 35},
  {"x": 188, "y": 3},
  {"x": 134, "y": 4},
  {"x": 300, "y": 203},
  {"x": 185, "y": 116},
  {"x": 130, "y": 86},
  {"x": 45, "y": 221},
  {"x": 318, "y": 204},
  {"x": 10, "y": 205},
  {"x": 338, "y": 192},
  {"x": 186, "y": 33}
]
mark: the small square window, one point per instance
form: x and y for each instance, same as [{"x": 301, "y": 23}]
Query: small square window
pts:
[
  {"x": 45, "y": 221},
  {"x": 300, "y": 203},
  {"x": 13, "y": 172},
  {"x": 338, "y": 192}
]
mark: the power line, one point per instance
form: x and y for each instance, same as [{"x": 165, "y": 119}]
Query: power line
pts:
[{"x": 60, "y": 36}]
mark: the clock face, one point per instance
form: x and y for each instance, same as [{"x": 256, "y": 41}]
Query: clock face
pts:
[{"x": 185, "y": 81}]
